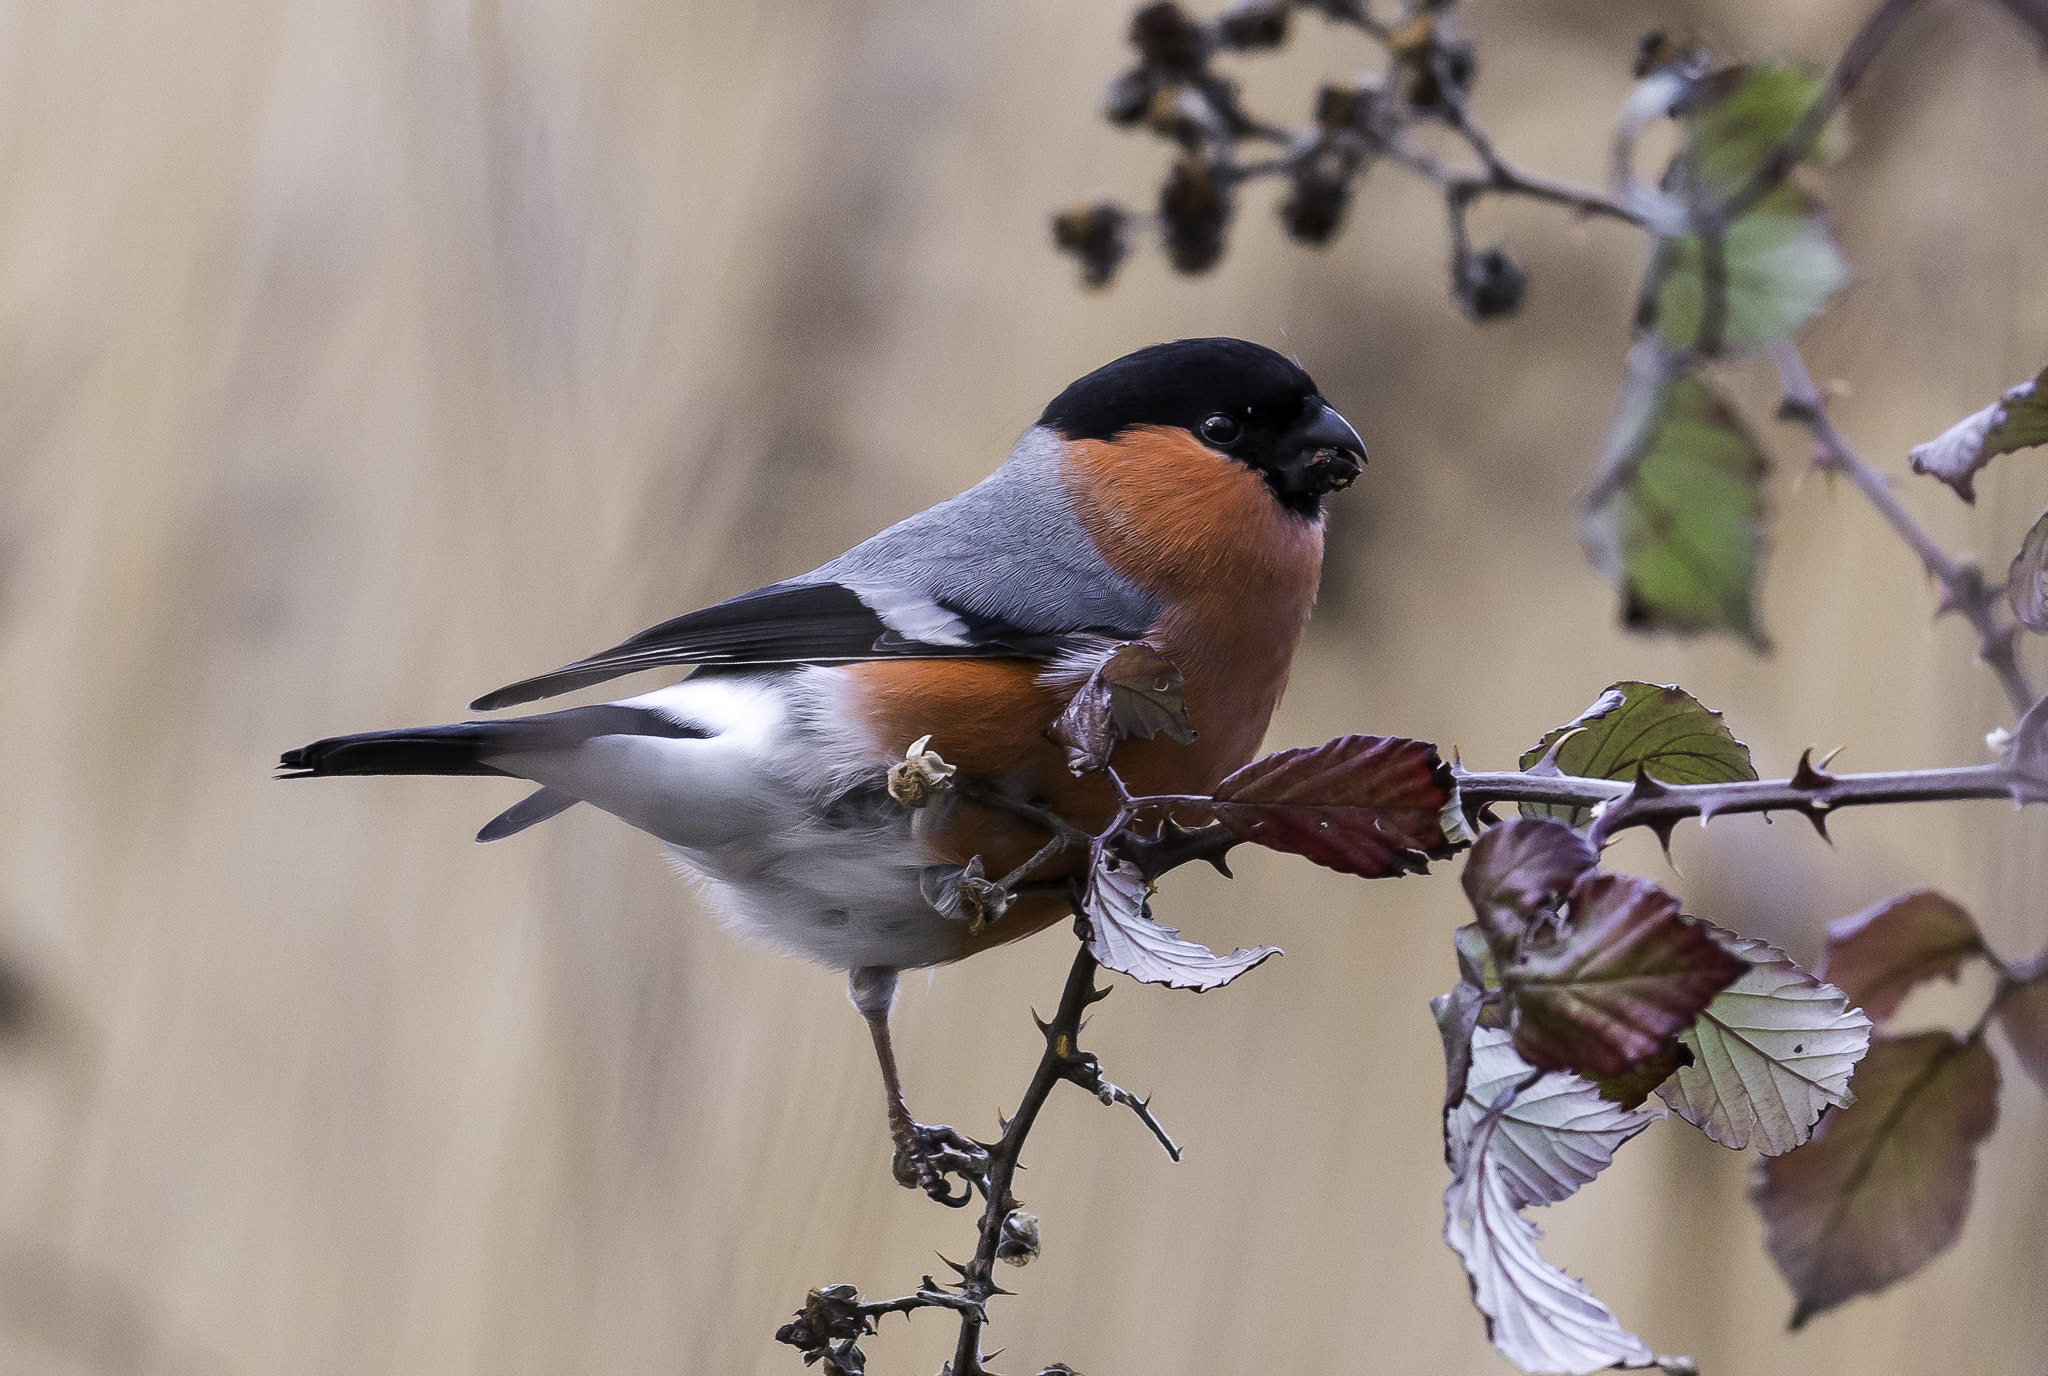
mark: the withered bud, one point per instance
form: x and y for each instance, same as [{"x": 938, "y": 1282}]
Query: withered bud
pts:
[
  {"x": 1489, "y": 284},
  {"x": 982, "y": 900},
  {"x": 1455, "y": 64},
  {"x": 1182, "y": 114},
  {"x": 1250, "y": 27},
  {"x": 1095, "y": 234},
  {"x": 1654, "y": 51},
  {"x": 1168, "y": 38},
  {"x": 1017, "y": 1244},
  {"x": 1345, "y": 107},
  {"x": 830, "y": 1313},
  {"x": 920, "y": 776},
  {"x": 1129, "y": 96},
  {"x": 1319, "y": 191},
  {"x": 1194, "y": 205}
]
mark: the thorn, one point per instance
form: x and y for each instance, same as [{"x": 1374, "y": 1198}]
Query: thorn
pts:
[
  {"x": 1829, "y": 758},
  {"x": 1818, "y": 815},
  {"x": 1222, "y": 864},
  {"x": 1548, "y": 764},
  {"x": 1098, "y": 995},
  {"x": 1457, "y": 760},
  {"x": 1002, "y": 1124},
  {"x": 994, "y": 1290},
  {"x": 1663, "y": 831},
  {"x": 1809, "y": 779},
  {"x": 1644, "y": 786},
  {"x": 1043, "y": 1026},
  {"x": 962, "y": 1270}
]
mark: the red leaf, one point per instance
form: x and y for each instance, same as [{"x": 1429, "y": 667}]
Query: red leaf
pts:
[
  {"x": 1518, "y": 869},
  {"x": 1617, "y": 986},
  {"x": 2024, "y": 1016},
  {"x": 1878, "y": 955},
  {"x": 1885, "y": 1183},
  {"x": 1366, "y": 805},
  {"x": 1123, "y": 936},
  {"x": 1135, "y": 691}
]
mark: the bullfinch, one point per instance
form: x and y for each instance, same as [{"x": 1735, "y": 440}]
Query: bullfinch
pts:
[{"x": 1174, "y": 497}]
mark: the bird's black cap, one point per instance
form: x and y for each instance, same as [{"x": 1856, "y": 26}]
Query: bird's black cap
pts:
[{"x": 1180, "y": 384}]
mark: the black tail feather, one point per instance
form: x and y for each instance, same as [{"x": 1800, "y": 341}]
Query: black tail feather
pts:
[
  {"x": 421, "y": 750},
  {"x": 463, "y": 747}
]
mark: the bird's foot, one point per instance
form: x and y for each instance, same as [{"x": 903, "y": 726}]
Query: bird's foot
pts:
[{"x": 927, "y": 1153}]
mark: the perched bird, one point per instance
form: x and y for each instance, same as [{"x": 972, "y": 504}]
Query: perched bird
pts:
[{"x": 1172, "y": 497}]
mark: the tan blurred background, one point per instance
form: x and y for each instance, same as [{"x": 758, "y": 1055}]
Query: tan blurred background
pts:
[{"x": 358, "y": 357}]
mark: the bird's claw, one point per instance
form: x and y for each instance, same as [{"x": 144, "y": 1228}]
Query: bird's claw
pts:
[{"x": 927, "y": 1153}]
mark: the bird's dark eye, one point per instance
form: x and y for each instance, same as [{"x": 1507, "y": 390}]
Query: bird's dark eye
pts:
[{"x": 1221, "y": 429}]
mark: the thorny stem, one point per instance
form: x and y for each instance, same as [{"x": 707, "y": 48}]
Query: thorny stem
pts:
[
  {"x": 1963, "y": 586},
  {"x": 1646, "y": 803},
  {"x": 977, "y": 1279}
]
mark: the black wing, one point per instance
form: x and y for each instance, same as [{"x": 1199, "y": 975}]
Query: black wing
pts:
[{"x": 787, "y": 623}]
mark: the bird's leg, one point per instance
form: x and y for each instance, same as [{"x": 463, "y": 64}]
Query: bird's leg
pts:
[{"x": 925, "y": 1154}]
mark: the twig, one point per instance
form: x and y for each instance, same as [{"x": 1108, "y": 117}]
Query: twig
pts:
[{"x": 1963, "y": 587}]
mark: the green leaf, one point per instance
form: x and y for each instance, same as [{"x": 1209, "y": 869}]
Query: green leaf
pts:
[
  {"x": 1734, "y": 117},
  {"x": 1770, "y": 1052},
  {"x": 1885, "y": 1183},
  {"x": 1676, "y": 517},
  {"x": 1781, "y": 267},
  {"x": 2017, "y": 420},
  {"x": 1674, "y": 736},
  {"x": 1617, "y": 985},
  {"x": 2026, "y": 582},
  {"x": 1879, "y": 954}
]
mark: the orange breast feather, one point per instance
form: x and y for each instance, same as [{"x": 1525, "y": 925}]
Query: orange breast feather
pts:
[{"x": 1235, "y": 574}]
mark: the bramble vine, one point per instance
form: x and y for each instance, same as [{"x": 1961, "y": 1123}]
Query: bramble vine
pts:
[{"x": 1582, "y": 994}]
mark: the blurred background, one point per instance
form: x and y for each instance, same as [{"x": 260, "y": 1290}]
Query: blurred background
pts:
[{"x": 359, "y": 357}]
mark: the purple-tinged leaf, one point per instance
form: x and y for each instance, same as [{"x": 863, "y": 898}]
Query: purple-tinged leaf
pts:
[
  {"x": 1878, "y": 955},
  {"x": 1615, "y": 988},
  {"x": 1135, "y": 691},
  {"x": 1519, "y": 869},
  {"x": 2017, "y": 420},
  {"x": 1885, "y": 1183},
  {"x": 1770, "y": 1052},
  {"x": 1366, "y": 805},
  {"x": 1631, "y": 1088},
  {"x": 1123, "y": 936},
  {"x": 1540, "y": 1318},
  {"x": 1558, "y": 1134},
  {"x": 1457, "y": 1014},
  {"x": 2026, "y": 582},
  {"x": 2024, "y": 1016},
  {"x": 1671, "y": 734}
]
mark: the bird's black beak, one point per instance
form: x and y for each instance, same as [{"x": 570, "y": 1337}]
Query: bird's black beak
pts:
[{"x": 1327, "y": 454}]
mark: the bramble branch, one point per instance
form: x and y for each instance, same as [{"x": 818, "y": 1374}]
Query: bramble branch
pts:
[{"x": 1963, "y": 587}]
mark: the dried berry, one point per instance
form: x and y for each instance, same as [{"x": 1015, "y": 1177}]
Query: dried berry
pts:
[
  {"x": 1194, "y": 208},
  {"x": 1253, "y": 26},
  {"x": 1168, "y": 39},
  {"x": 1489, "y": 284},
  {"x": 1095, "y": 234}
]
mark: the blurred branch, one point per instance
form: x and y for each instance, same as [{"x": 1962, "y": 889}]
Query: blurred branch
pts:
[{"x": 1964, "y": 590}]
